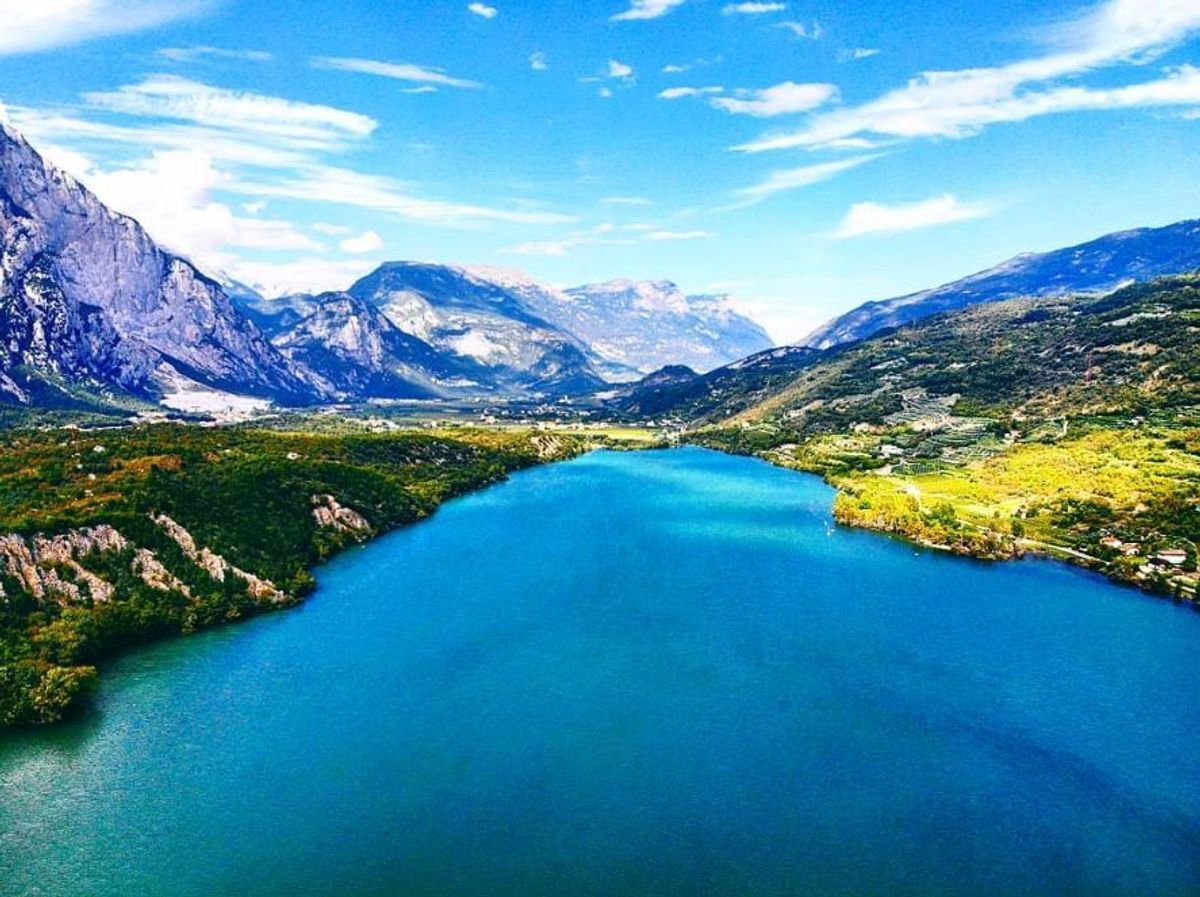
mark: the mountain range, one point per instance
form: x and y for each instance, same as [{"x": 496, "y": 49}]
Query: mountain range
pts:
[{"x": 93, "y": 311}]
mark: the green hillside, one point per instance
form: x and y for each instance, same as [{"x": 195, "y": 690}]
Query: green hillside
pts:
[{"x": 1068, "y": 425}]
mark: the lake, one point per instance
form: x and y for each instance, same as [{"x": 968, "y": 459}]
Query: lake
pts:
[{"x": 655, "y": 673}]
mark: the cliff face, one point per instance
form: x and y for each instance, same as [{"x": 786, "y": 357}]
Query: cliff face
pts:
[{"x": 88, "y": 300}]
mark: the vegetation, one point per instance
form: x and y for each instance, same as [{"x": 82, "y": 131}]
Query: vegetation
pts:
[
  {"x": 248, "y": 497},
  {"x": 1065, "y": 425}
]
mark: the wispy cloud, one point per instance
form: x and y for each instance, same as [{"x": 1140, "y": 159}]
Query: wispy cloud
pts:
[
  {"x": 607, "y": 234},
  {"x": 538, "y": 61},
  {"x": 800, "y": 30},
  {"x": 961, "y": 103},
  {"x": 619, "y": 70},
  {"x": 781, "y": 99},
  {"x": 343, "y": 186},
  {"x": 752, "y": 9},
  {"x": 170, "y": 97},
  {"x": 661, "y": 235},
  {"x": 679, "y": 93},
  {"x": 192, "y": 142},
  {"x": 853, "y": 53},
  {"x": 199, "y": 54},
  {"x": 641, "y": 10},
  {"x": 399, "y": 71},
  {"x": 796, "y": 178},
  {"x": 626, "y": 201},
  {"x": 44, "y": 24},
  {"x": 875, "y": 218},
  {"x": 483, "y": 10}
]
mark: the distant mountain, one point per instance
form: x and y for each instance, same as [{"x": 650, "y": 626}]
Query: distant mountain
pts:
[
  {"x": 482, "y": 322},
  {"x": 1100, "y": 266},
  {"x": 643, "y": 326},
  {"x": 91, "y": 307}
]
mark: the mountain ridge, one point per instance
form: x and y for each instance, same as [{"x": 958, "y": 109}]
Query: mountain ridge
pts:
[{"x": 1099, "y": 265}]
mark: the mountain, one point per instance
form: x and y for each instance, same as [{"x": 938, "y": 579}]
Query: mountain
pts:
[
  {"x": 1100, "y": 266},
  {"x": 680, "y": 393},
  {"x": 1131, "y": 352},
  {"x": 91, "y": 307},
  {"x": 643, "y": 326},
  {"x": 481, "y": 322},
  {"x": 356, "y": 352}
]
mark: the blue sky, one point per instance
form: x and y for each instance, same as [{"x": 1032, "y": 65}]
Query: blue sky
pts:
[{"x": 804, "y": 156}]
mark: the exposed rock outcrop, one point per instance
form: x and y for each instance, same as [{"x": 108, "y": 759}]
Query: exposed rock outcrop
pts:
[
  {"x": 329, "y": 514},
  {"x": 215, "y": 565}
]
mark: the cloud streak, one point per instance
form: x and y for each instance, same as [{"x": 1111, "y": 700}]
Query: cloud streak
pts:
[
  {"x": 642, "y": 10},
  {"x": 961, "y": 103},
  {"x": 398, "y": 71},
  {"x": 796, "y": 178},
  {"x": 875, "y": 218}
]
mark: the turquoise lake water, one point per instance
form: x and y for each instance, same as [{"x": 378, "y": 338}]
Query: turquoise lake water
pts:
[{"x": 660, "y": 673}]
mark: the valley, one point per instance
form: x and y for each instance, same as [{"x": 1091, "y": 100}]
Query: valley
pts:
[{"x": 180, "y": 450}]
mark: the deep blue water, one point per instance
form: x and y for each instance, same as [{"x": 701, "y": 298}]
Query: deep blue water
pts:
[{"x": 660, "y": 673}]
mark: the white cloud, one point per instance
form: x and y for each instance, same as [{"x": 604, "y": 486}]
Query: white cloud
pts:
[
  {"x": 423, "y": 89},
  {"x": 254, "y": 208},
  {"x": 876, "y": 218},
  {"x": 802, "y": 31},
  {"x": 626, "y": 201},
  {"x": 619, "y": 70},
  {"x": 679, "y": 93},
  {"x": 855, "y": 53},
  {"x": 752, "y": 9},
  {"x": 170, "y": 193},
  {"x": 781, "y": 99},
  {"x": 400, "y": 71},
  {"x": 198, "y": 54},
  {"x": 483, "y": 10},
  {"x": 538, "y": 61},
  {"x": 640, "y": 10},
  {"x": 166, "y": 96},
  {"x": 660, "y": 235},
  {"x": 796, "y": 178},
  {"x": 45, "y": 24},
  {"x": 963, "y": 102},
  {"x": 366, "y": 242}
]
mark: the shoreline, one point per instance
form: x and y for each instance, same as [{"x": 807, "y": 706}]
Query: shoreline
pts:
[
  {"x": 52, "y": 682},
  {"x": 998, "y": 546}
]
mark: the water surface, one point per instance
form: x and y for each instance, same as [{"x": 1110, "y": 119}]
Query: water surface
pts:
[{"x": 660, "y": 673}]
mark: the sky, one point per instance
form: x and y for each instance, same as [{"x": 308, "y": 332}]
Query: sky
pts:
[{"x": 802, "y": 156}]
